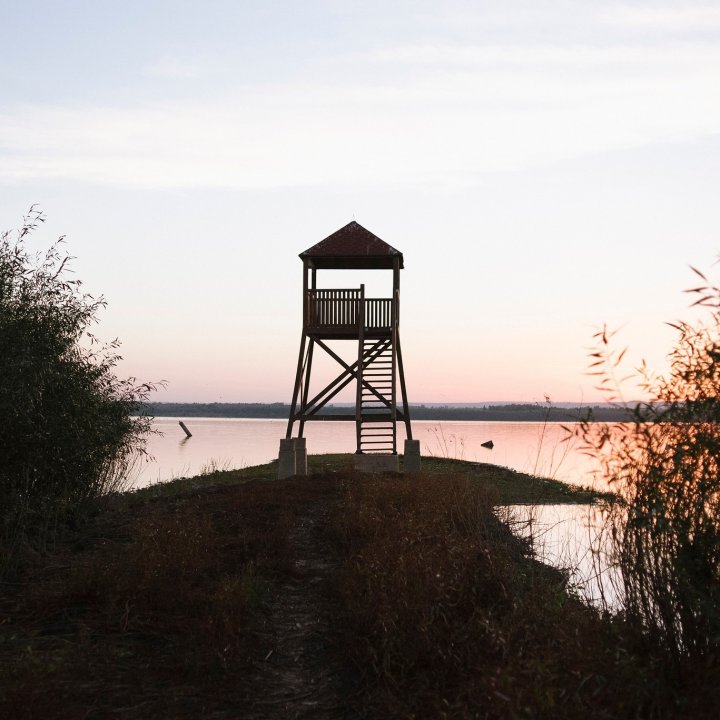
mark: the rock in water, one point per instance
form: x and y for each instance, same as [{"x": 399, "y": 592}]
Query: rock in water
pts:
[{"x": 489, "y": 445}]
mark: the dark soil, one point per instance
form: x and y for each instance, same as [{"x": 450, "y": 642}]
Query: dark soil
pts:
[{"x": 303, "y": 675}]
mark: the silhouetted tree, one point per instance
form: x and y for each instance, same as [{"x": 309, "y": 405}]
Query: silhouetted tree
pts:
[{"x": 66, "y": 434}]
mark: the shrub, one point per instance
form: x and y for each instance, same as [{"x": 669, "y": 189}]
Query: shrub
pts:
[
  {"x": 665, "y": 466},
  {"x": 448, "y": 616},
  {"x": 66, "y": 434}
]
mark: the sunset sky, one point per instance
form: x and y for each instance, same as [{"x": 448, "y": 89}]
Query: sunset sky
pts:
[{"x": 545, "y": 167}]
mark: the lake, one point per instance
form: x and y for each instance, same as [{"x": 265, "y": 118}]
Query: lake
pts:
[{"x": 536, "y": 448}]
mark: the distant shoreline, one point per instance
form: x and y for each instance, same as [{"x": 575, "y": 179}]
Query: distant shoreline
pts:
[{"x": 520, "y": 412}]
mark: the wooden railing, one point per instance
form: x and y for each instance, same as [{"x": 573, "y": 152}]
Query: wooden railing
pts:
[
  {"x": 378, "y": 312},
  {"x": 341, "y": 308}
]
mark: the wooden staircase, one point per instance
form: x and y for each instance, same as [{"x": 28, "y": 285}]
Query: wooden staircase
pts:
[{"x": 377, "y": 433}]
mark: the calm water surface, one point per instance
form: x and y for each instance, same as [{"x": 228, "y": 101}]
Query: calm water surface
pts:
[{"x": 536, "y": 448}]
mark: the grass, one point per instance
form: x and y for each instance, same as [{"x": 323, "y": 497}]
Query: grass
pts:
[
  {"x": 166, "y": 605},
  {"x": 508, "y": 486}
]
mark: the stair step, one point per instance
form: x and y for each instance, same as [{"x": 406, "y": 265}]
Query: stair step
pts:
[{"x": 378, "y": 433}]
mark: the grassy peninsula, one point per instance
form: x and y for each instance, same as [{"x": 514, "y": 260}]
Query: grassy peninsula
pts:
[{"x": 333, "y": 596}]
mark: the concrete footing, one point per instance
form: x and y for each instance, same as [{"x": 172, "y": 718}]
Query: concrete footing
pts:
[
  {"x": 376, "y": 463},
  {"x": 411, "y": 459},
  {"x": 292, "y": 458},
  {"x": 286, "y": 458}
]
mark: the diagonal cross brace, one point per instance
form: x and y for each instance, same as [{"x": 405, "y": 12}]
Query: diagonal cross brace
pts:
[
  {"x": 374, "y": 351},
  {"x": 346, "y": 377},
  {"x": 351, "y": 373}
]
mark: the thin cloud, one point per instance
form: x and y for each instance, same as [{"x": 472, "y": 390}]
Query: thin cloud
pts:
[
  {"x": 176, "y": 68},
  {"x": 672, "y": 18},
  {"x": 466, "y": 111},
  {"x": 537, "y": 56}
]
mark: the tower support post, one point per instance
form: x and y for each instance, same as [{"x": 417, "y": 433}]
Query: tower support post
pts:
[{"x": 359, "y": 372}]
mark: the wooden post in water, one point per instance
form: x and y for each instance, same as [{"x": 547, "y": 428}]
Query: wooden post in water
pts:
[{"x": 184, "y": 427}]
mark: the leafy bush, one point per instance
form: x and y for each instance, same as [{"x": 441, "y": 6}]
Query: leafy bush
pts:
[
  {"x": 665, "y": 466},
  {"x": 66, "y": 435}
]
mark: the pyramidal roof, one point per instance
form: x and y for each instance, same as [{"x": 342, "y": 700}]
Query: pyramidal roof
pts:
[{"x": 352, "y": 246}]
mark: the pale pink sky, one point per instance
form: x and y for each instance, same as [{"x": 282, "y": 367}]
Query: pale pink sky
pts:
[{"x": 544, "y": 167}]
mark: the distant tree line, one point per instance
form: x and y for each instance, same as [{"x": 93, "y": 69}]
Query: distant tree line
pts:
[{"x": 517, "y": 412}]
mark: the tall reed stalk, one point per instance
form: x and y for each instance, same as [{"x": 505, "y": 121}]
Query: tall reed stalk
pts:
[{"x": 665, "y": 468}]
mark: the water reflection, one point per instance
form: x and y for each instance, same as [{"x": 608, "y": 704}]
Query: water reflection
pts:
[{"x": 572, "y": 538}]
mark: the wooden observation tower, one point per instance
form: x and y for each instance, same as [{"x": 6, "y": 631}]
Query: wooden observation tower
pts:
[{"x": 372, "y": 325}]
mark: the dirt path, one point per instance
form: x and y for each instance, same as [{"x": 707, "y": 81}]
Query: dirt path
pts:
[{"x": 303, "y": 676}]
